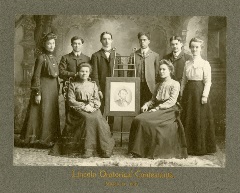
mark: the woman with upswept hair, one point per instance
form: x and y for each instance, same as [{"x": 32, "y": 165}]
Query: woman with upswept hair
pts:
[
  {"x": 158, "y": 132},
  {"x": 197, "y": 115},
  {"x": 41, "y": 126}
]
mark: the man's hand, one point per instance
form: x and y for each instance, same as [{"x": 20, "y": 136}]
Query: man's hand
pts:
[
  {"x": 204, "y": 100},
  {"x": 38, "y": 99},
  {"x": 144, "y": 108},
  {"x": 100, "y": 95}
]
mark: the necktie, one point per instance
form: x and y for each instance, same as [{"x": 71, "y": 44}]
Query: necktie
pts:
[
  {"x": 175, "y": 55},
  {"x": 107, "y": 53}
]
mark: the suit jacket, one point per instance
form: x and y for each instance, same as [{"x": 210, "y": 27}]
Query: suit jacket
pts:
[
  {"x": 178, "y": 64},
  {"x": 69, "y": 64},
  {"x": 122, "y": 103},
  {"x": 102, "y": 68},
  {"x": 151, "y": 67}
]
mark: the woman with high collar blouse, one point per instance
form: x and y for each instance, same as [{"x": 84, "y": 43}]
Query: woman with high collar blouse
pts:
[
  {"x": 197, "y": 115},
  {"x": 158, "y": 131},
  {"x": 86, "y": 132},
  {"x": 41, "y": 127}
]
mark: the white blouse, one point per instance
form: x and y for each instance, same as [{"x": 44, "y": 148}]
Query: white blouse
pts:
[{"x": 197, "y": 69}]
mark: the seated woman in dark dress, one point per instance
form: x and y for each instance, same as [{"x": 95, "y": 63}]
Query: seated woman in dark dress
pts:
[
  {"x": 86, "y": 131},
  {"x": 158, "y": 132}
]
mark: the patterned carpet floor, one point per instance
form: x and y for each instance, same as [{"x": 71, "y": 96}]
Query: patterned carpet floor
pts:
[{"x": 40, "y": 157}]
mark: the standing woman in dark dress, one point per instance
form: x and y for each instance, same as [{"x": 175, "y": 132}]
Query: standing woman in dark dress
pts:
[
  {"x": 158, "y": 131},
  {"x": 42, "y": 124},
  {"x": 197, "y": 115}
]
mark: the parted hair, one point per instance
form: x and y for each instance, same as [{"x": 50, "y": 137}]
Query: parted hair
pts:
[
  {"x": 123, "y": 89},
  {"x": 103, "y": 33},
  {"x": 85, "y": 64},
  {"x": 147, "y": 34},
  {"x": 175, "y": 38},
  {"x": 196, "y": 40},
  {"x": 76, "y": 38},
  {"x": 169, "y": 64}
]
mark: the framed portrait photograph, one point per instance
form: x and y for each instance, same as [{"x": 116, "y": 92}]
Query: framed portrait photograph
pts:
[{"x": 122, "y": 96}]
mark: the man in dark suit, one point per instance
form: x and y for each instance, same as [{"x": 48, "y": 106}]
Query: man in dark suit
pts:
[
  {"x": 102, "y": 66},
  {"x": 147, "y": 67},
  {"x": 177, "y": 57},
  {"x": 69, "y": 63}
]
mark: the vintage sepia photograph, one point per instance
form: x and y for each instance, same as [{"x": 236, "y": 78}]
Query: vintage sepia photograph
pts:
[{"x": 120, "y": 90}]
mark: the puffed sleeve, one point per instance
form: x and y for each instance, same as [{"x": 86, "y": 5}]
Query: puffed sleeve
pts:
[
  {"x": 36, "y": 83},
  {"x": 72, "y": 102},
  {"x": 95, "y": 100},
  {"x": 183, "y": 81},
  {"x": 174, "y": 92},
  {"x": 94, "y": 76},
  {"x": 206, "y": 79},
  {"x": 63, "y": 73}
]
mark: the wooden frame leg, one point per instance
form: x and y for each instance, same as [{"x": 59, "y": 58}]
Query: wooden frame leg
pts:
[{"x": 121, "y": 131}]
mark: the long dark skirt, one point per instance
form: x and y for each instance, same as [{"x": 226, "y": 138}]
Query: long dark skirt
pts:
[
  {"x": 84, "y": 132},
  {"x": 198, "y": 120},
  {"x": 157, "y": 134},
  {"x": 41, "y": 127}
]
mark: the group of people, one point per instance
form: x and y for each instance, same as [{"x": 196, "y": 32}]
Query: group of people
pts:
[{"x": 162, "y": 130}]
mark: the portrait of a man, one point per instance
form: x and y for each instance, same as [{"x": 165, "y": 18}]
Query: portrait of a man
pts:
[{"x": 122, "y": 101}]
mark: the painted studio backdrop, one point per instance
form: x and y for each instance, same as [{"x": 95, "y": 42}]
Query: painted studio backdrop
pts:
[{"x": 29, "y": 30}]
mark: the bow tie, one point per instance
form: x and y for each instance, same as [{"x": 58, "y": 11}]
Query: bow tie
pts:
[{"x": 77, "y": 54}]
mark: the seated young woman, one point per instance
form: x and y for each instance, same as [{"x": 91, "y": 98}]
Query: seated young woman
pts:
[
  {"x": 158, "y": 132},
  {"x": 86, "y": 132}
]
